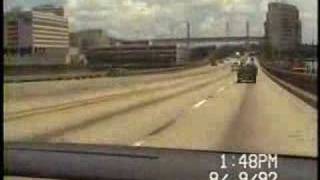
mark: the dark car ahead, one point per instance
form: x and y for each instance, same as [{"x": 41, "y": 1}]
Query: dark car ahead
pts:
[
  {"x": 247, "y": 73},
  {"x": 235, "y": 66}
]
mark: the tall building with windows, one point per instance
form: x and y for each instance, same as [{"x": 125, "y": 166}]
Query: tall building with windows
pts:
[
  {"x": 57, "y": 10},
  {"x": 42, "y": 36},
  {"x": 283, "y": 27}
]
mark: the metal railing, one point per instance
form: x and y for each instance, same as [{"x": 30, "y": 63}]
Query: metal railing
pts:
[{"x": 305, "y": 81}]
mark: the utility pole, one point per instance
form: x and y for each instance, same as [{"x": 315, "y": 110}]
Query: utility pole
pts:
[
  {"x": 248, "y": 35},
  {"x": 188, "y": 39},
  {"x": 227, "y": 29},
  {"x": 312, "y": 42},
  {"x": 314, "y": 58},
  {"x": 188, "y": 34}
]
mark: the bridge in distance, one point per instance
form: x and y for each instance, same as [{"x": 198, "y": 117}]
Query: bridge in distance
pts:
[{"x": 199, "y": 41}]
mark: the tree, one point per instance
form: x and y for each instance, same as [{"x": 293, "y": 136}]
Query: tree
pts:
[{"x": 12, "y": 14}]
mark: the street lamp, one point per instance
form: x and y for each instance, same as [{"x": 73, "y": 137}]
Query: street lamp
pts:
[
  {"x": 188, "y": 31},
  {"x": 188, "y": 34}
]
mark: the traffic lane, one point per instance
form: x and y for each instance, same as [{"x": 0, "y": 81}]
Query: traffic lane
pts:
[
  {"x": 133, "y": 127},
  {"x": 51, "y": 91},
  {"x": 26, "y": 96},
  {"x": 271, "y": 120},
  {"x": 41, "y": 127},
  {"x": 260, "y": 118},
  {"x": 204, "y": 126},
  {"x": 12, "y": 109}
]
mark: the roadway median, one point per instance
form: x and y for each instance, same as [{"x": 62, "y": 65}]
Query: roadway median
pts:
[{"x": 87, "y": 74}]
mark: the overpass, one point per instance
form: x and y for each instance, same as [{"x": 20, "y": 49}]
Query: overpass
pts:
[
  {"x": 198, "y": 41},
  {"x": 145, "y": 51}
]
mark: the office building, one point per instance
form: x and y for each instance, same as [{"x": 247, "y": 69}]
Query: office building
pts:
[
  {"x": 43, "y": 37},
  {"x": 57, "y": 10},
  {"x": 283, "y": 27},
  {"x": 85, "y": 39}
]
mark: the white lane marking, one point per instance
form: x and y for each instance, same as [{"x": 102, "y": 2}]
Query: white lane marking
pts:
[
  {"x": 221, "y": 89},
  {"x": 200, "y": 103},
  {"x": 138, "y": 143}
]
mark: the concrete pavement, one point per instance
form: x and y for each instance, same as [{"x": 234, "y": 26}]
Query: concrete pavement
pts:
[
  {"x": 208, "y": 111},
  {"x": 25, "y": 96},
  {"x": 259, "y": 118}
]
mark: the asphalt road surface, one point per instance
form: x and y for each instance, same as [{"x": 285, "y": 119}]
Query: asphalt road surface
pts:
[{"x": 200, "y": 109}]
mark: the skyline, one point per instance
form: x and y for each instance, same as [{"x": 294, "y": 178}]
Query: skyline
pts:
[{"x": 165, "y": 18}]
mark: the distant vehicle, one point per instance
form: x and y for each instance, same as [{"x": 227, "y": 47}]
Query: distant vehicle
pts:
[
  {"x": 311, "y": 64},
  {"x": 253, "y": 53},
  {"x": 299, "y": 67},
  {"x": 250, "y": 60},
  {"x": 247, "y": 73},
  {"x": 227, "y": 60},
  {"x": 213, "y": 62},
  {"x": 117, "y": 71},
  {"x": 220, "y": 61},
  {"x": 235, "y": 66}
]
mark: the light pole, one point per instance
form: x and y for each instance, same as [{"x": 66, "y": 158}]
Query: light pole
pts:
[
  {"x": 188, "y": 34},
  {"x": 248, "y": 35},
  {"x": 188, "y": 39},
  {"x": 188, "y": 30},
  {"x": 313, "y": 64}
]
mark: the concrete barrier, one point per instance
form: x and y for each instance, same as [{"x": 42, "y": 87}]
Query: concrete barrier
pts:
[
  {"x": 305, "y": 81},
  {"x": 78, "y": 75},
  {"x": 306, "y": 96}
]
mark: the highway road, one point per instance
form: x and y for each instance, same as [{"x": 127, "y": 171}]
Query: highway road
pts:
[{"x": 201, "y": 109}]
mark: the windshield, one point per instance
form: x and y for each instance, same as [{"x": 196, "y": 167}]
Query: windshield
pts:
[{"x": 160, "y": 74}]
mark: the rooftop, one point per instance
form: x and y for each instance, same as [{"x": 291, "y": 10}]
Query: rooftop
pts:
[{"x": 281, "y": 4}]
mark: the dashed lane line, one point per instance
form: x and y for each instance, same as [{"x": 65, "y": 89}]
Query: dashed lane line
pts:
[
  {"x": 200, "y": 103},
  {"x": 138, "y": 143},
  {"x": 221, "y": 89}
]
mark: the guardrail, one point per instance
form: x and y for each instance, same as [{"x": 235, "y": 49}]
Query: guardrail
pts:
[
  {"x": 307, "y": 82},
  {"x": 283, "y": 78}
]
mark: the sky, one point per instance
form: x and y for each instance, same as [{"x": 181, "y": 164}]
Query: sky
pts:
[{"x": 141, "y": 19}]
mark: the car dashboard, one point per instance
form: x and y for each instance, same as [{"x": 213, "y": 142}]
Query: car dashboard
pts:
[{"x": 78, "y": 161}]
